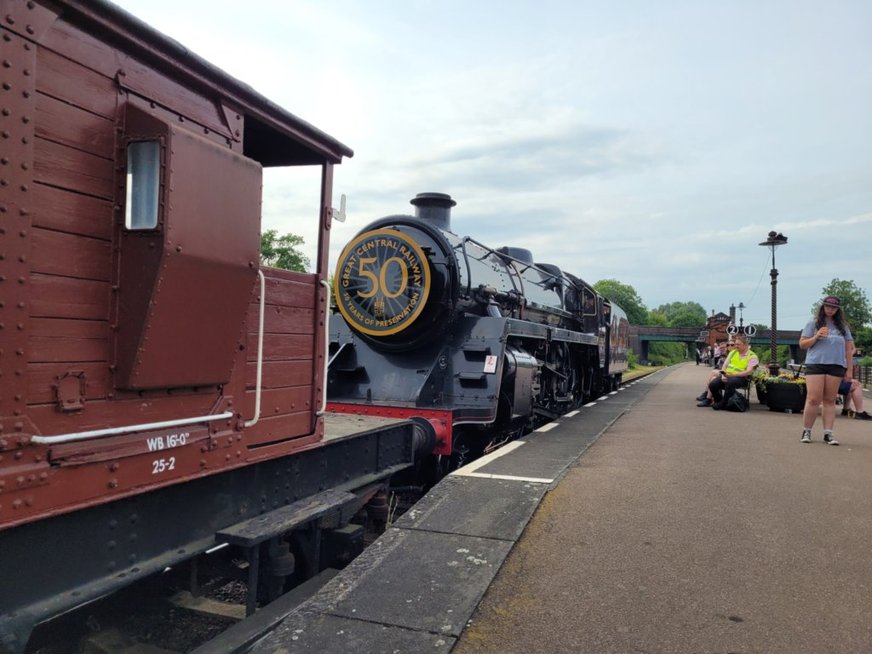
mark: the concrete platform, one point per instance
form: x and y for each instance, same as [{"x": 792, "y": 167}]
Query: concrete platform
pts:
[
  {"x": 417, "y": 586},
  {"x": 689, "y": 530},
  {"x": 640, "y": 524}
]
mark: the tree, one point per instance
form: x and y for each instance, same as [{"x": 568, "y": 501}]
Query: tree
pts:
[
  {"x": 624, "y": 296},
  {"x": 683, "y": 314},
  {"x": 281, "y": 251},
  {"x": 855, "y": 304}
]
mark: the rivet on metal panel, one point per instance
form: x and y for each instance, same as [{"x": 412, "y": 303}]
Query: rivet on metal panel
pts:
[
  {"x": 113, "y": 483},
  {"x": 19, "y": 480},
  {"x": 29, "y": 29},
  {"x": 4, "y": 160},
  {"x": 17, "y": 504},
  {"x": 31, "y": 4},
  {"x": 26, "y": 94},
  {"x": 202, "y": 462},
  {"x": 10, "y": 19},
  {"x": 5, "y": 112},
  {"x": 7, "y": 63},
  {"x": 4, "y": 182},
  {"x": 19, "y": 426},
  {"x": 7, "y": 86},
  {"x": 113, "y": 466},
  {"x": 24, "y": 166}
]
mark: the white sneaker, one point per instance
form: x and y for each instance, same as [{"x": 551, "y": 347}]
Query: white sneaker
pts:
[
  {"x": 806, "y": 435},
  {"x": 829, "y": 439}
]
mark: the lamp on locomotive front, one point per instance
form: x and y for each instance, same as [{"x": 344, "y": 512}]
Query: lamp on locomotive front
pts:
[{"x": 773, "y": 241}]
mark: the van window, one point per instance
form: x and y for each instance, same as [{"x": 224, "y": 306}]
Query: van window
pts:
[{"x": 143, "y": 185}]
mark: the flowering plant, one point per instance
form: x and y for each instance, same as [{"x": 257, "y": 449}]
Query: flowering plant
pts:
[{"x": 762, "y": 376}]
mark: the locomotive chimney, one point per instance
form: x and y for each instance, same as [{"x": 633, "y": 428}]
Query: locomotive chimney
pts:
[{"x": 434, "y": 208}]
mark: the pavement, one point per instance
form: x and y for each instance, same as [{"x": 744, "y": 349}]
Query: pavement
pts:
[
  {"x": 689, "y": 530},
  {"x": 640, "y": 523}
]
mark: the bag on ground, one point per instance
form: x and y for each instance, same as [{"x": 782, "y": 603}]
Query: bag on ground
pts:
[{"x": 737, "y": 402}]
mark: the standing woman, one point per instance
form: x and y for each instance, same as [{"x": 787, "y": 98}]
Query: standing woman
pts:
[{"x": 830, "y": 347}]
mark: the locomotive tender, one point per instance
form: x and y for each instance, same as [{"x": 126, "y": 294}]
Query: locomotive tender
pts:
[
  {"x": 482, "y": 343},
  {"x": 160, "y": 391}
]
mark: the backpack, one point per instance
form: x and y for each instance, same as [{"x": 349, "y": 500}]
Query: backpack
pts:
[{"x": 737, "y": 402}]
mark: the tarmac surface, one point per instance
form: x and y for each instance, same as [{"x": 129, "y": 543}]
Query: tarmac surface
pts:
[{"x": 638, "y": 524}]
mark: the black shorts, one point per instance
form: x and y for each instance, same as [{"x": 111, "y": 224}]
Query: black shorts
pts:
[{"x": 825, "y": 369}]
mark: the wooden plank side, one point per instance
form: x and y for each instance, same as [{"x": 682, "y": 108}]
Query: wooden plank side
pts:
[
  {"x": 41, "y": 378},
  {"x": 281, "y": 347},
  {"x": 71, "y": 212},
  {"x": 280, "y": 374},
  {"x": 102, "y": 414},
  {"x": 92, "y": 91},
  {"x": 58, "y": 327},
  {"x": 278, "y": 428},
  {"x": 282, "y": 320},
  {"x": 291, "y": 289},
  {"x": 135, "y": 76},
  {"x": 280, "y": 401},
  {"x": 67, "y": 124},
  {"x": 65, "y": 297},
  {"x": 69, "y": 349},
  {"x": 60, "y": 165},
  {"x": 70, "y": 255}
]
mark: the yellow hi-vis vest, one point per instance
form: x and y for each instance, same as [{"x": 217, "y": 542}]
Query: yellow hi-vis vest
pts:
[{"x": 737, "y": 363}]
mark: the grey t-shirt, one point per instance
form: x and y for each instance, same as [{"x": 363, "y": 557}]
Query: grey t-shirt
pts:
[{"x": 829, "y": 350}]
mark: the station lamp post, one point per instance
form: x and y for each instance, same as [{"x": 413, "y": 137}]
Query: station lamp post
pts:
[
  {"x": 772, "y": 242},
  {"x": 741, "y": 308}
]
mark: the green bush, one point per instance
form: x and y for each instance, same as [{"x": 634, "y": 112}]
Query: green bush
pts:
[
  {"x": 866, "y": 361},
  {"x": 632, "y": 361}
]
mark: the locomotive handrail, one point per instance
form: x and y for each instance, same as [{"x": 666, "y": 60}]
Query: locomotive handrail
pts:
[
  {"x": 259, "y": 374},
  {"x": 519, "y": 287},
  {"x": 115, "y": 431},
  {"x": 466, "y": 261}
]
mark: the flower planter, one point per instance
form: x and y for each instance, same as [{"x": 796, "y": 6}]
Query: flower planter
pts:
[
  {"x": 760, "y": 387},
  {"x": 785, "y": 397}
]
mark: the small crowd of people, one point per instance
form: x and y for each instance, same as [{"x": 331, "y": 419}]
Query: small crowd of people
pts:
[{"x": 830, "y": 345}]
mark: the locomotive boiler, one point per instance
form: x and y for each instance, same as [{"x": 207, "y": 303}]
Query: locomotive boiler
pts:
[{"x": 482, "y": 343}]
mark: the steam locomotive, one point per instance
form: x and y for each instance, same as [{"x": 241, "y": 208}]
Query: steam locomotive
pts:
[
  {"x": 161, "y": 393},
  {"x": 483, "y": 344}
]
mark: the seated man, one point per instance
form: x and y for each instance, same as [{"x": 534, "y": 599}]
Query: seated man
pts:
[
  {"x": 737, "y": 370},
  {"x": 704, "y": 399},
  {"x": 853, "y": 392}
]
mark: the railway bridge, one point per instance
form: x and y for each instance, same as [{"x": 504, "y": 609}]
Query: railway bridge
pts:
[{"x": 693, "y": 337}]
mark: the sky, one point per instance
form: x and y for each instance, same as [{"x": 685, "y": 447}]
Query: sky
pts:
[{"x": 656, "y": 143}]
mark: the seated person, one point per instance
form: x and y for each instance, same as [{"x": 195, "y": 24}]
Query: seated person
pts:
[
  {"x": 853, "y": 392},
  {"x": 737, "y": 370},
  {"x": 705, "y": 398}
]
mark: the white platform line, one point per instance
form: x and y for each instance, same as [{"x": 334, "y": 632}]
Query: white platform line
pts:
[
  {"x": 484, "y": 475},
  {"x": 589, "y": 404},
  {"x": 572, "y": 414},
  {"x": 548, "y": 427},
  {"x": 487, "y": 458}
]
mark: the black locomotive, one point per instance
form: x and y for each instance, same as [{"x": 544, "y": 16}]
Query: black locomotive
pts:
[{"x": 482, "y": 343}]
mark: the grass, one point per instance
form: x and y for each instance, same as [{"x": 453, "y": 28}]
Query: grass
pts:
[{"x": 638, "y": 371}]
